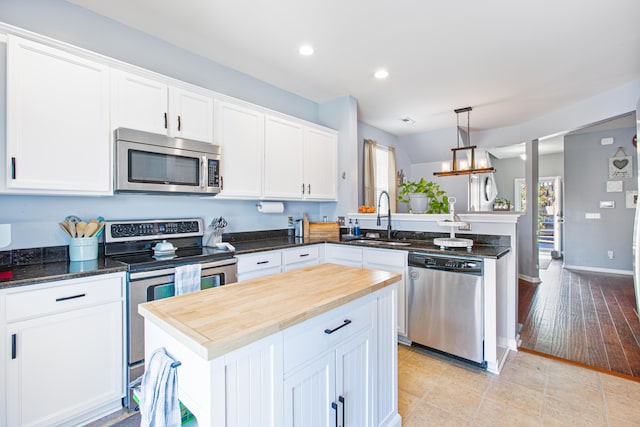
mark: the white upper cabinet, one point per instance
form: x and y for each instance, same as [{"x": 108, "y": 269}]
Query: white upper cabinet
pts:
[
  {"x": 58, "y": 139},
  {"x": 139, "y": 103},
  {"x": 283, "y": 165},
  {"x": 320, "y": 165},
  {"x": 240, "y": 133},
  {"x": 152, "y": 105},
  {"x": 300, "y": 161}
]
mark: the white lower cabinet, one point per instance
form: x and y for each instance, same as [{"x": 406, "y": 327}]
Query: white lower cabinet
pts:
[
  {"x": 305, "y": 256},
  {"x": 259, "y": 264},
  {"x": 396, "y": 262},
  {"x": 343, "y": 255},
  {"x": 64, "y": 360}
]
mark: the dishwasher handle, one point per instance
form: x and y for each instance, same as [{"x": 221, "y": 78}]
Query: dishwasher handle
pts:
[{"x": 465, "y": 270}]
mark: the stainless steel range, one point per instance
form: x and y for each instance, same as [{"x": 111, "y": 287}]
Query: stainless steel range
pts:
[{"x": 150, "y": 274}]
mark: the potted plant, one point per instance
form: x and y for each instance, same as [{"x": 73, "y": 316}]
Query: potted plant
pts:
[
  {"x": 501, "y": 204},
  {"x": 423, "y": 197},
  {"x": 546, "y": 198}
]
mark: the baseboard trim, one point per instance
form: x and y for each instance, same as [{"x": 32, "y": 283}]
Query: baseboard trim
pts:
[
  {"x": 529, "y": 278},
  {"x": 598, "y": 269}
]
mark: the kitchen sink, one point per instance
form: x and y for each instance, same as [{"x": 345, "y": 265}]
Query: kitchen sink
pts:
[{"x": 380, "y": 242}]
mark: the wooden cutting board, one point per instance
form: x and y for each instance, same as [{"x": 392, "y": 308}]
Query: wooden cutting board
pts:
[{"x": 322, "y": 231}]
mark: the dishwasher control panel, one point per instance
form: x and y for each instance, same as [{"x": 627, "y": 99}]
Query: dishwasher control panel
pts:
[{"x": 454, "y": 264}]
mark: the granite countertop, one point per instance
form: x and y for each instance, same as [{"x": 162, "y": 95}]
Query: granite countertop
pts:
[
  {"x": 31, "y": 274},
  {"x": 207, "y": 321}
]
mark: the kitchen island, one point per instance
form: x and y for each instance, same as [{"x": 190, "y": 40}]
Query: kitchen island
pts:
[{"x": 318, "y": 343}]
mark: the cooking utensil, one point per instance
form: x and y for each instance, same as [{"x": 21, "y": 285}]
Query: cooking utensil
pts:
[
  {"x": 81, "y": 228},
  {"x": 74, "y": 219},
  {"x": 92, "y": 227},
  {"x": 65, "y": 227},
  {"x": 72, "y": 228}
]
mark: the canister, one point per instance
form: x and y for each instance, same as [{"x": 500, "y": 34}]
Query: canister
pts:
[{"x": 83, "y": 248}]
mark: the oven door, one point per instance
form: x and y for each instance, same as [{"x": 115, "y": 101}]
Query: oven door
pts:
[{"x": 153, "y": 285}]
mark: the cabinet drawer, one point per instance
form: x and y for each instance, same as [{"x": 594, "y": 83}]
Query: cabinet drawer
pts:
[
  {"x": 63, "y": 296},
  {"x": 392, "y": 257},
  {"x": 259, "y": 261},
  {"x": 306, "y": 340},
  {"x": 306, "y": 253}
]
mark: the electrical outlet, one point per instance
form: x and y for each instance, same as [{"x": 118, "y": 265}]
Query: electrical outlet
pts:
[
  {"x": 290, "y": 221},
  {"x": 610, "y": 254}
]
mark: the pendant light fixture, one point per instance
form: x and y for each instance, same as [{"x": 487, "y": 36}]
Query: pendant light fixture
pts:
[{"x": 461, "y": 168}]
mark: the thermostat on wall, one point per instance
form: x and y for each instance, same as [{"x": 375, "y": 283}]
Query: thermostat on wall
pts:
[{"x": 606, "y": 141}]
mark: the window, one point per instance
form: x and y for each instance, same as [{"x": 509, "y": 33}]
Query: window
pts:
[{"x": 382, "y": 175}]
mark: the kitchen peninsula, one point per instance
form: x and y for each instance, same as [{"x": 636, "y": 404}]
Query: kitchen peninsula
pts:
[{"x": 315, "y": 342}]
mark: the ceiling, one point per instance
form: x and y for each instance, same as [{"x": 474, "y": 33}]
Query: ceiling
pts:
[{"x": 511, "y": 61}]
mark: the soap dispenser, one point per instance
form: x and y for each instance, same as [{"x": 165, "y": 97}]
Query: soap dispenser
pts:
[
  {"x": 350, "y": 228},
  {"x": 356, "y": 229}
]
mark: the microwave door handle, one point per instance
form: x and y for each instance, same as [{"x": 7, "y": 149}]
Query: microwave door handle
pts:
[{"x": 203, "y": 172}]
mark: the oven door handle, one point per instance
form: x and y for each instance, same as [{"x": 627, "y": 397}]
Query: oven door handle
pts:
[{"x": 153, "y": 273}]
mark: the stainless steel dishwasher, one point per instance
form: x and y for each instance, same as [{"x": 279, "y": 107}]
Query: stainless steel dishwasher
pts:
[{"x": 445, "y": 304}]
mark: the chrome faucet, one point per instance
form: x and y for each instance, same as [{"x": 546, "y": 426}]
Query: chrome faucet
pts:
[{"x": 388, "y": 213}]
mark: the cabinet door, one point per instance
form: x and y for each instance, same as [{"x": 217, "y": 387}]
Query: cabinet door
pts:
[
  {"x": 309, "y": 394},
  {"x": 240, "y": 133},
  {"x": 354, "y": 380},
  {"x": 283, "y": 159},
  {"x": 320, "y": 165},
  {"x": 396, "y": 262},
  {"x": 58, "y": 139},
  {"x": 139, "y": 103},
  {"x": 343, "y": 255},
  {"x": 191, "y": 115},
  {"x": 64, "y": 364}
]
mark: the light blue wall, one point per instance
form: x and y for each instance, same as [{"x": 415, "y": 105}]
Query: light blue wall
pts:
[
  {"x": 586, "y": 174},
  {"x": 34, "y": 218}
]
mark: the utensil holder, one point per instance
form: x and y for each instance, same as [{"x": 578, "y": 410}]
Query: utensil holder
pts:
[{"x": 83, "y": 248}]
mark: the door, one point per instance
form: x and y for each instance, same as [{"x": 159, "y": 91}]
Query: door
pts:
[
  {"x": 140, "y": 103},
  {"x": 309, "y": 393},
  {"x": 354, "y": 380},
  {"x": 191, "y": 115},
  {"x": 320, "y": 165},
  {"x": 58, "y": 139},
  {"x": 64, "y": 365},
  {"x": 283, "y": 159},
  {"x": 240, "y": 133}
]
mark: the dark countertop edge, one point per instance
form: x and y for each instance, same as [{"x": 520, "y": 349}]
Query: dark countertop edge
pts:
[
  {"x": 255, "y": 246},
  {"x": 275, "y": 244},
  {"x": 61, "y": 275}
]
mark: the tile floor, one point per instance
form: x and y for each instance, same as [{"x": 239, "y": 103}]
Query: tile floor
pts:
[{"x": 530, "y": 391}]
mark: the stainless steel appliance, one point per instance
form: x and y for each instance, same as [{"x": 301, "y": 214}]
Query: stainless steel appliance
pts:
[
  {"x": 148, "y": 162},
  {"x": 151, "y": 277},
  {"x": 445, "y": 304}
]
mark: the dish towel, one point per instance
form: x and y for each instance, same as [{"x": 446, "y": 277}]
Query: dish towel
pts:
[
  {"x": 159, "y": 405},
  {"x": 187, "y": 278}
]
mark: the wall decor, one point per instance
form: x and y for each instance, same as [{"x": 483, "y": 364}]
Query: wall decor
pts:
[
  {"x": 631, "y": 199},
  {"x": 614, "y": 186},
  {"x": 620, "y": 166}
]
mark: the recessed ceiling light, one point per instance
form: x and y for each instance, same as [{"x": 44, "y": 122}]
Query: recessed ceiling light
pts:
[
  {"x": 381, "y": 74},
  {"x": 408, "y": 120},
  {"x": 306, "y": 50}
]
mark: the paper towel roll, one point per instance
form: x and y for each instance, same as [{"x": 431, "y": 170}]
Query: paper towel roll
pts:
[{"x": 271, "y": 207}]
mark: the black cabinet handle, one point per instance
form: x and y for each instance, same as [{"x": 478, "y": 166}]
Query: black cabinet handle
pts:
[
  {"x": 308, "y": 188},
  {"x": 303, "y": 188},
  {"x": 330, "y": 331},
  {"x": 341, "y": 400},
  {"x": 71, "y": 297},
  {"x": 179, "y": 124},
  {"x": 13, "y": 168},
  {"x": 262, "y": 262},
  {"x": 221, "y": 183},
  {"x": 166, "y": 121},
  {"x": 13, "y": 346},
  {"x": 303, "y": 255},
  {"x": 334, "y": 406}
]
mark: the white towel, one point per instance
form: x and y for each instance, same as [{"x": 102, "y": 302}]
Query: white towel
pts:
[
  {"x": 159, "y": 404},
  {"x": 187, "y": 278}
]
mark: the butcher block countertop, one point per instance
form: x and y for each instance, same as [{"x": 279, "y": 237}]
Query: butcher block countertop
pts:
[{"x": 216, "y": 321}]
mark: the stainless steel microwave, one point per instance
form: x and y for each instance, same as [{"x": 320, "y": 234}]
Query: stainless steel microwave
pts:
[{"x": 148, "y": 162}]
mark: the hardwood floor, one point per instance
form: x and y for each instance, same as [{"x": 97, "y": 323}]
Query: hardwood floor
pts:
[{"x": 588, "y": 318}]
